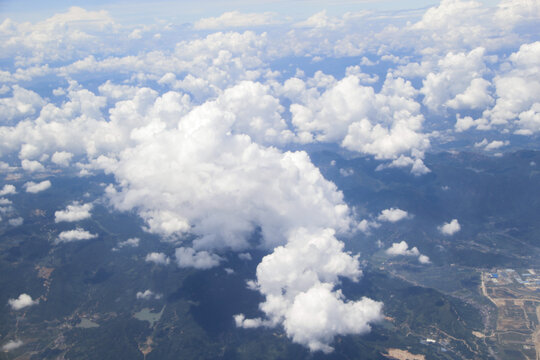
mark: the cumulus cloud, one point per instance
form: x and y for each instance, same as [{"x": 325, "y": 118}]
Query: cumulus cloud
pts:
[
  {"x": 12, "y": 345},
  {"x": 298, "y": 282},
  {"x": 187, "y": 257},
  {"x": 518, "y": 92},
  {"x": 32, "y": 166},
  {"x": 24, "y": 300},
  {"x": 22, "y": 103},
  {"x": 365, "y": 225},
  {"x": 450, "y": 228},
  {"x": 16, "y": 221},
  {"x": 32, "y": 187},
  {"x": 147, "y": 295},
  {"x": 74, "y": 235},
  {"x": 8, "y": 189},
  {"x": 131, "y": 242},
  {"x": 393, "y": 215},
  {"x": 457, "y": 82},
  {"x": 62, "y": 158},
  {"x": 73, "y": 212},
  {"x": 402, "y": 249},
  {"x": 194, "y": 132},
  {"x": 157, "y": 258},
  {"x": 385, "y": 124}
]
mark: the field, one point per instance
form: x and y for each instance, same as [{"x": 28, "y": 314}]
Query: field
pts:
[{"x": 516, "y": 296}]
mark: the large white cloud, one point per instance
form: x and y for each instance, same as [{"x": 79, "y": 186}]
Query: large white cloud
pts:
[
  {"x": 385, "y": 124},
  {"x": 298, "y": 282},
  {"x": 518, "y": 92}
]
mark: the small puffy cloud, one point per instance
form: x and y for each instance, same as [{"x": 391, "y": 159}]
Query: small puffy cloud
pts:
[
  {"x": 16, "y": 221},
  {"x": 73, "y": 212},
  {"x": 496, "y": 144},
  {"x": 393, "y": 215},
  {"x": 187, "y": 257},
  {"x": 236, "y": 19},
  {"x": 366, "y": 225},
  {"x": 423, "y": 259},
  {"x": 132, "y": 242},
  {"x": 12, "y": 345},
  {"x": 74, "y": 235},
  {"x": 61, "y": 158},
  {"x": 402, "y": 248},
  {"x": 346, "y": 172},
  {"x": 32, "y": 166},
  {"x": 450, "y": 228},
  {"x": 8, "y": 189},
  {"x": 32, "y": 187},
  {"x": 157, "y": 258},
  {"x": 147, "y": 295},
  {"x": 24, "y": 300},
  {"x": 493, "y": 145}
]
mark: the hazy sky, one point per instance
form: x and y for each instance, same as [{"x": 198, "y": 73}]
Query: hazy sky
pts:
[{"x": 188, "y": 11}]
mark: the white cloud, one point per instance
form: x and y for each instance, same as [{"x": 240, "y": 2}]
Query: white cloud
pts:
[
  {"x": 187, "y": 257},
  {"x": 32, "y": 166},
  {"x": 148, "y": 294},
  {"x": 132, "y": 242},
  {"x": 366, "y": 225},
  {"x": 157, "y": 258},
  {"x": 74, "y": 235},
  {"x": 33, "y": 187},
  {"x": 393, "y": 215},
  {"x": 16, "y": 221},
  {"x": 8, "y": 189},
  {"x": 385, "y": 124},
  {"x": 236, "y": 19},
  {"x": 457, "y": 82},
  {"x": 24, "y": 300},
  {"x": 298, "y": 282},
  {"x": 450, "y": 228},
  {"x": 402, "y": 248},
  {"x": 12, "y": 345},
  {"x": 73, "y": 212},
  {"x": 62, "y": 158},
  {"x": 22, "y": 103}
]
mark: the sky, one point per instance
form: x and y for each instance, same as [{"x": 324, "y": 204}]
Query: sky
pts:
[
  {"x": 204, "y": 115},
  {"x": 189, "y": 11}
]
